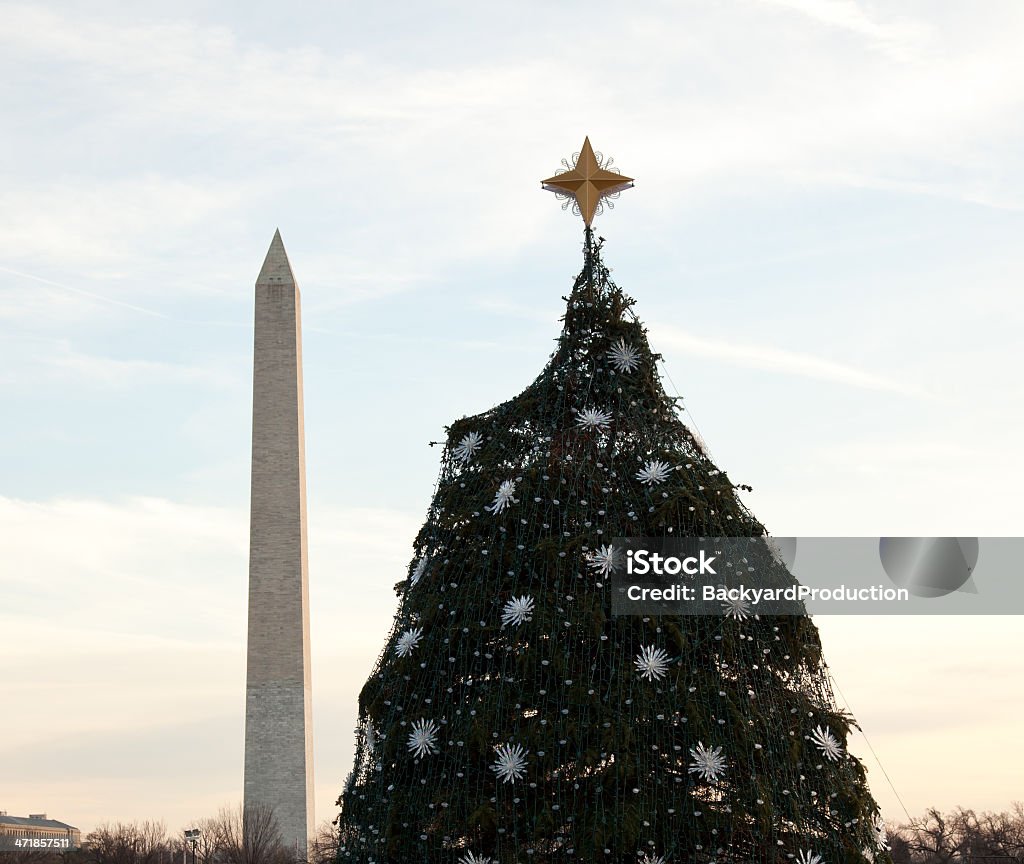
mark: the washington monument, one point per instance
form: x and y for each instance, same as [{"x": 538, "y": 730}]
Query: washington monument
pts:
[{"x": 278, "y": 721}]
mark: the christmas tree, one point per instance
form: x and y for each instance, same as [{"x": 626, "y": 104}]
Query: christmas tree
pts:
[{"x": 512, "y": 718}]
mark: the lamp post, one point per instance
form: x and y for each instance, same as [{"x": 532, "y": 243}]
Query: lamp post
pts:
[{"x": 192, "y": 836}]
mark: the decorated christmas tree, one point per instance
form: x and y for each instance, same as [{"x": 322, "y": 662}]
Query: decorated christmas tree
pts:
[{"x": 512, "y": 718}]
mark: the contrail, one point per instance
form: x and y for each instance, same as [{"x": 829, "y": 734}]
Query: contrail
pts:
[{"x": 84, "y": 293}]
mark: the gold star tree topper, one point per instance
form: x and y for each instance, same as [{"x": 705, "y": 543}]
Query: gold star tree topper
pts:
[{"x": 588, "y": 182}]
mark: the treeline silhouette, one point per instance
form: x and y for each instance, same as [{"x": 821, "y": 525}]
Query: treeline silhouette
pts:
[
  {"x": 251, "y": 836},
  {"x": 236, "y": 835},
  {"x": 961, "y": 836}
]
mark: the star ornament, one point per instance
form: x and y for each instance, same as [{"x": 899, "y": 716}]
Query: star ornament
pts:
[{"x": 588, "y": 182}]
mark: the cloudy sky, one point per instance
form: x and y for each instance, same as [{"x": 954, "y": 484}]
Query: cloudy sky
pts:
[{"x": 824, "y": 240}]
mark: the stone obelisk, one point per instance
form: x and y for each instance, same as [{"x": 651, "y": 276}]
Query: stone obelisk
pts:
[{"x": 278, "y": 720}]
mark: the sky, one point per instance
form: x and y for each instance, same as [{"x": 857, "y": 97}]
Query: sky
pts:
[{"x": 824, "y": 242}]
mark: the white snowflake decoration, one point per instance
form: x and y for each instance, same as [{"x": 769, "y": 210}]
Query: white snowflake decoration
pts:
[
  {"x": 593, "y": 418},
  {"x": 881, "y": 835},
  {"x": 651, "y": 858},
  {"x": 806, "y": 857},
  {"x": 827, "y": 743},
  {"x": 653, "y": 472},
  {"x": 471, "y": 858},
  {"x": 418, "y": 571},
  {"x": 370, "y": 737},
  {"x": 423, "y": 738},
  {"x": 605, "y": 560},
  {"x": 707, "y": 764},
  {"x": 408, "y": 641},
  {"x": 517, "y": 610},
  {"x": 503, "y": 497},
  {"x": 624, "y": 357},
  {"x": 652, "y": 663},
  {"x": 736, "y": 607},
  {"x": 468, "y": 446},
  {"x": 511, "y": 762}
]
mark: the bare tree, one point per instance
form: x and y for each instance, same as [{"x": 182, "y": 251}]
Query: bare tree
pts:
[
  {"x": 932, "y": 838},
  {"x": 899, "y": 845},
  {"x": 1003, "y": 834},
  {"x": 152, "y": 843},
  {"x": 248, "y": 835},
  {"x": 323, "y": 848},
  {"x": 961, "y": 837},
  {"x": 127, "y": 843},
  {"x": 207, "y": 847}
]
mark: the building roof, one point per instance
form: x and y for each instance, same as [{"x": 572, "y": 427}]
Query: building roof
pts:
[{"x": 28, "y": 822}]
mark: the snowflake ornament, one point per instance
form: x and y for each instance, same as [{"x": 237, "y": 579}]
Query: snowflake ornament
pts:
[
  {"x": 736, "y": 607},
  {"x": 651, "y": 858},
  {"x": 653, "y": 472},
  {"x": 827, "y": 743},
  {"x": 468, "y": 446},
  {"x": 707, "y": 764},
  {"x": 517, "y": 610},
  {"x": 471, "y": 858},
  {"x": 408, "y": 641},
  {"x": 418, "y": 571},
  {"x": 605, "y": 560},
  {"x": 881, "y": 835},
  {"x": 511, "y": 762},
  {"x": 503, "y": 497},
  {"x": 423, "y": 738},
  {"x": 625, "y": 358},
  {"x": 593, "y": 418},
  {"x": 652, "y": 663},
  {"x": 807, "y": 857}
]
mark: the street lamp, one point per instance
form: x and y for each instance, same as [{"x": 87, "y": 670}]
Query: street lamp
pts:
[{"x": 192, "y": 836}]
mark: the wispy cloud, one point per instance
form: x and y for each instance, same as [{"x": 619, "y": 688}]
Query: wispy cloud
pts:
[
  {"x": 71, "y": 364},
  {"x": 849, "y": 15},
  {"x": 107, "y": 223},
  {"x": 969, "y": 192},
  {"x": 767, "y": 358},
  {"x": 510, "y": 308},
  {"x": 80, "y": 292}
]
